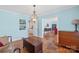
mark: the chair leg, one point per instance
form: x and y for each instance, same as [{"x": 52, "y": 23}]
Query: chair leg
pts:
[{"x": 18, "y": 50}]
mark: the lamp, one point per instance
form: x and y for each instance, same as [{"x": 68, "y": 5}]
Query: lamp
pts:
[
  {"x": 32, "y": 22},
  {"x": 75, "y": 22},
  {"x": 34, "y": 16}
]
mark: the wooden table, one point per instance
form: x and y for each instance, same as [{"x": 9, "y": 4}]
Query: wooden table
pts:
[{"x": 33, "y": 44}]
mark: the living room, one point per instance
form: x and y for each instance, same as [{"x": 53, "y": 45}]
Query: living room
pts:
[{"x": 19, "y": 32}]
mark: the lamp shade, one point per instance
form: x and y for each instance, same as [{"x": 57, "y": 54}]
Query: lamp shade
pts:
[{"x": 75, "y": 21}]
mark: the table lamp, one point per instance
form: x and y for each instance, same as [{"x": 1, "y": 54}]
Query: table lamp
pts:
[{"x": 75, "y": 22}]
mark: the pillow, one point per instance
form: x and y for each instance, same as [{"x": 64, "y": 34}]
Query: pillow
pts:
[{"x": 1, "y": 44}]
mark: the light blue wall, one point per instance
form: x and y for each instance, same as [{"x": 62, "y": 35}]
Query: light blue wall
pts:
[
  {"x": 9, "y": 24},
  {"x": 65, "y": 18},
  {"x": 40, "y": 28},
  {"x": 64, "y": 22}
]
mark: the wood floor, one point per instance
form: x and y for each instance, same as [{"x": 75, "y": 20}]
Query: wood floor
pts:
[{"x": 50, "y": 44}]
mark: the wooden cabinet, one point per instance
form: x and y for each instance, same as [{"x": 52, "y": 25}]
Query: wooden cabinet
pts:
[
  {"x": 33, "y": 44},
  {"x": 69, "y": 39}
]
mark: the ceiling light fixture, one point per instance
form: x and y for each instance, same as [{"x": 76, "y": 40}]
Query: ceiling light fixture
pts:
[{"x": 34, "y": 16}]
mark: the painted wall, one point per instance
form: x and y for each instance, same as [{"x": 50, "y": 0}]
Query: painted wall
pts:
[
  {"x": 65, "y": 18},
  {"x": 9, "y": 24},
  {"x": 40, "y": 28}
]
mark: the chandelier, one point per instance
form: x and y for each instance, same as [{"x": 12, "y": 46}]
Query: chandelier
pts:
[{"x": 34, "y": 16}]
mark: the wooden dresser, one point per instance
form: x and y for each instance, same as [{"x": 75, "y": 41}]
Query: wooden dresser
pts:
[
  {"x": 33, "y": 44},
  {"x": 69, "y": 39}
]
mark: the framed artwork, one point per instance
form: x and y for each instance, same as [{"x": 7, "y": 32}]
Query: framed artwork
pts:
[{"x": 22, "y": 24}]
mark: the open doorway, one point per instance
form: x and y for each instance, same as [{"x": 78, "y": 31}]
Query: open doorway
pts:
[{"x": 50, "y": 36}]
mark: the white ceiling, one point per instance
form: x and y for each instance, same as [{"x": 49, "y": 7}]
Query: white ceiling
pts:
[{"x": 41, "y": 10}]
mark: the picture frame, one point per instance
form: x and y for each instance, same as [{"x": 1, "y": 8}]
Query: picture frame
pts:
[{"x": 22, "y": 24}]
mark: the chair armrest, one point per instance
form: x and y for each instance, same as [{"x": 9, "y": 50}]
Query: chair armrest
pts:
[{"x": 3, "y": 48}]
